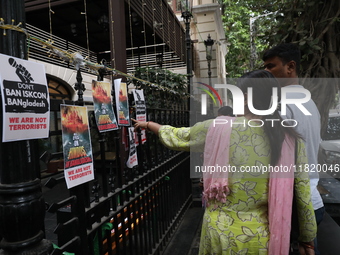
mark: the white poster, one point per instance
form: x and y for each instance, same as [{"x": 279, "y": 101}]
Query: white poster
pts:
[
  {"x": 25, "y": 99},
  {"x": 138, "y": 96},
  {"x": 78, "y": 159},
  {"x": 122, "y": 103},
  {"x": 103, "y": 110},
  {"x": 143, "y": 137},
  {"x": 132, "y": 161}
]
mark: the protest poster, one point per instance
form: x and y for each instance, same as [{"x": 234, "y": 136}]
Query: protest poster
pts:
[
  {"x": 132, "y": 160},
  {"x": 122, "y": 102},
  {"x": 103, "y": 110},
  {"x": 78, "y": 160},
  {"x": 143, "y": 137},
  {"x": 138, "y": 96},
  {"x": 25, "y": 99}
]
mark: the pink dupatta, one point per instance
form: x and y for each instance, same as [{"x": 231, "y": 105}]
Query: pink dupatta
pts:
[{"x": 281, "y": 184}]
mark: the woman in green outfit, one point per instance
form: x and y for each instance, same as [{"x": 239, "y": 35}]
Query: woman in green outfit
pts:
[{"x": 248, "y": 207}]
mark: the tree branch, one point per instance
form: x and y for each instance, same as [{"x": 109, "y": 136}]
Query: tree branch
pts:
[{"x": 329, "y": 24}]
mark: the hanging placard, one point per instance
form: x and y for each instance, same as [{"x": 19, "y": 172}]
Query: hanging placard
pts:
[
  {"x": 103, "y": 110},
  {"x": 25, "y": 99},
  {"x": 143, "y": 137},
  {"x": 132, "y": 161},
  {"x": 122, "y": 103},
  {"x": 76, "y": 145},
  {"x": 138, "y": 96}
]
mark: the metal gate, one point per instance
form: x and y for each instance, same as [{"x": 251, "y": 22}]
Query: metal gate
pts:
[{"x": 128, "y": 211}]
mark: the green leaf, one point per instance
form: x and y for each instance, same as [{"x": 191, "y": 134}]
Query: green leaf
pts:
[
  {"x": 244, "y": 238},
  {"x": 251, "y": 192},
  {"x": 249, "y": 185},
  {"x": 247, "y": 231},
  {"x": 316, "y": 40},
  {"x": 244, "y": 216}
]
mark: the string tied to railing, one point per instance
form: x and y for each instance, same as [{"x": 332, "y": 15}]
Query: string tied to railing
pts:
[{"x": 78, "y": 60}]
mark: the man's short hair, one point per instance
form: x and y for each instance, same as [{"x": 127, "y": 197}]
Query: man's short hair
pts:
[
  {"x": 286, "y": 52},
  {"x": 225, "y": 111}
]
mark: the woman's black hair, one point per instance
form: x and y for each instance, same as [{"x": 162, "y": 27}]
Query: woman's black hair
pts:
[
  {"x": 225, "y": 111},
  {"x": 263, "y": 83}
]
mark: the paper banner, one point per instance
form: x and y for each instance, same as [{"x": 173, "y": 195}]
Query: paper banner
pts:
[
  {"x": 138, "y": 95},
  {"x": 140, "y": 111},
  {"x": 132, "y": 161},
  {"x": 25, "y": 99},
  {"x": 143, "y": 137},
  {"x": 78, "y": 160},
  {"x": 122, "y": 103},
  {"x": 103, "y": 110}
]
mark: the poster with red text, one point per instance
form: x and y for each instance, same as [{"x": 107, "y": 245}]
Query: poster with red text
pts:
[
  {"x": 78, "y": 160},
  {"x": 25, "y": 99},
  {"x": 132, "y": 160},
  {"x": 138, "y": 95},
  {"x": 122, "y": 103},
  {"x": 103, "y": 110}
]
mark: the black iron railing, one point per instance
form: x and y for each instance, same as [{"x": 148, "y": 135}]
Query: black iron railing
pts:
[{"x": 128, "y": 211}]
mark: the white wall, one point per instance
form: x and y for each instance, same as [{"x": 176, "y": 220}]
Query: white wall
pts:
[{"x": 207, "y": 20}]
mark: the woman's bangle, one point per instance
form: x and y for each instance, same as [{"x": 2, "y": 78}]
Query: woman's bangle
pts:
[
  {"x": 309, "y": 246},
  {"x": 147, "y": 125}
]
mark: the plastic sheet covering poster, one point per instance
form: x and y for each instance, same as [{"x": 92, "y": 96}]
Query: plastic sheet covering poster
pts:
[
  {"x": 132, "y": 160},
  {"x": 77, "y": 145},
  {"x": 103, "y": 110},
  {"x": 25, "y": 99},
  {"x": 122, "y": 103},
  {"x": 138, "y": 96}
]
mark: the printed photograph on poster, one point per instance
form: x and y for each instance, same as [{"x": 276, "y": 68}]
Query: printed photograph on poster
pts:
[
  {"x": 78, "y": 160},
  {"x": 25, "y": 99},
  {"x": 138, "y": 96},
  {"x": 103, "y": 110},
  {"x": 122, "y": 103},
  {"x": 132, "y": 160}
]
